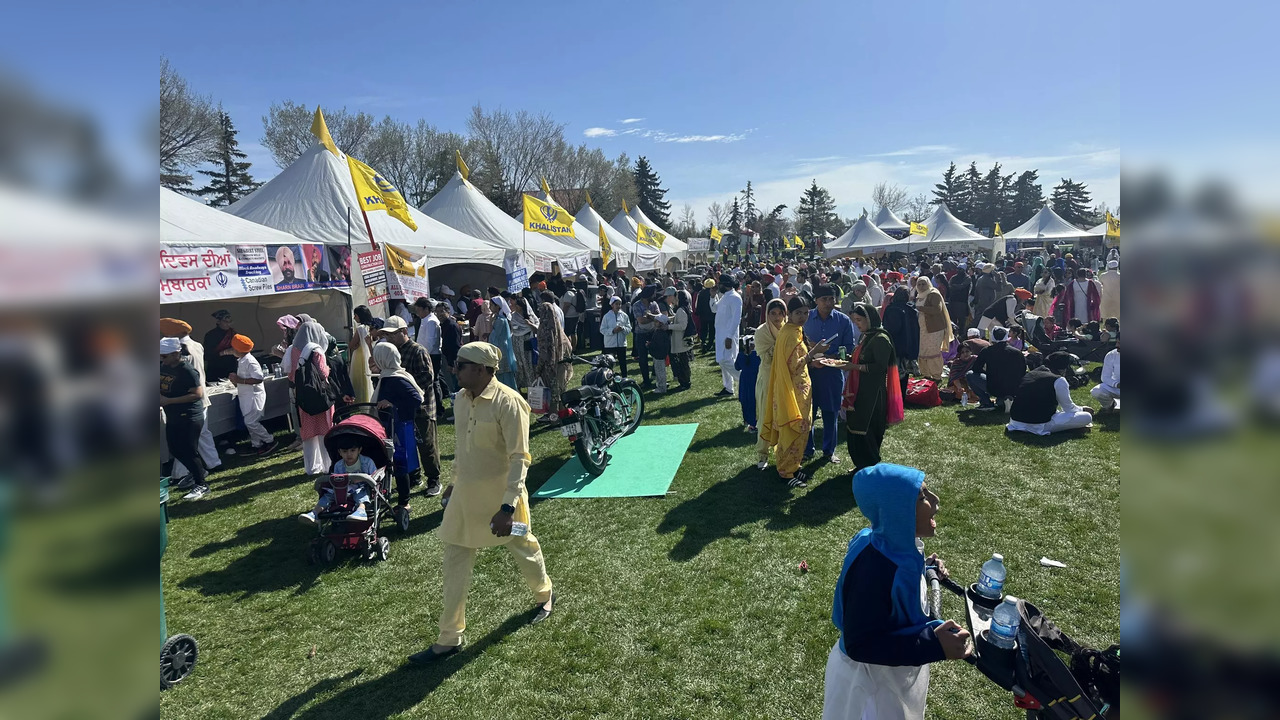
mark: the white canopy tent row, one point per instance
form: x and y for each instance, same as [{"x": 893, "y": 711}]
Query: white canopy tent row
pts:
[
  {"x": 949, "y": 233},
  {"x": 461, "y": 206},
  {"x": 889, "y": 222},
  {"x": 864, "y": 239},
  {"x": 1048, "y": 226},
  {"x": 210, "y": 260},
  {"x": 673, "y": 249},
  {"x": 627, "y": 253},
  {"x": 314, "y": 199}
]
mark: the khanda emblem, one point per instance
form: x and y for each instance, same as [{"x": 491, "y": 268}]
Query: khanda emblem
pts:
[{"x": 550, "y": 213}]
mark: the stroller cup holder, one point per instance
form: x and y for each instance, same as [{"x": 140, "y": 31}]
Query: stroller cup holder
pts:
[{"x": 996, "y": 663}]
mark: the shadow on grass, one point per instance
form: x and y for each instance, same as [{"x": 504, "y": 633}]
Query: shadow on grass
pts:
[
  {"x": 1044, "y": 441},
  {"x": 732, "y": 436},
  {"x": 691, "y": 405},
  {"x": 745, "y": 498},
  {"x": 395, "y": 692},
  {"x": 279, "y": 565},
  {"x": 829, "y": 500},
  {"x": 224, "y": 494},
  {"x": 295, "y": 703},
  {"x": 1107, "y": 421},
  {"x": 980, "y": 418}
]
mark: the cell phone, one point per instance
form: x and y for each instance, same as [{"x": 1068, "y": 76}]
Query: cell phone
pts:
[{"x": 831, "y": 340}]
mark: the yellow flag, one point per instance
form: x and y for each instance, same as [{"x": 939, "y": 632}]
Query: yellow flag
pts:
[
  {"x": 401, "y": 262},
  {"x": 624, "y": 206},
  {"x": 998, "y": 231},
  {"x": 462, "y": 166},
  {"x": 375, "y": 192},
  {"x": 649, "y": 236},
  {"x": 715, "y": 233},
  {"x": 799, "y": 242},
  {"x": 1113, "y": 225},
  {"x": 543, "y": 217},
  {"x": 589, "y": 203},
  {"x": 787, "y": 242},
  {"x": 606, "y": 250},
  {"x": 546, "y": 188},
  {"x": 321, "y": 131},
  {"x": 918, "y": 229}
]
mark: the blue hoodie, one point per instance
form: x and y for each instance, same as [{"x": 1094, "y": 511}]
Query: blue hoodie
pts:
[{"x": 877, "y": 604}]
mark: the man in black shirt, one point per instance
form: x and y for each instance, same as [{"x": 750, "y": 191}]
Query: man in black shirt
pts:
[
  {"x": 181, "y": 397},
  {"x": 450, "y": 342},
  {"x": 997, "y": 371}
]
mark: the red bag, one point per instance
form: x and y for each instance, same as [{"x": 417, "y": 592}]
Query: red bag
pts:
[{"x": 922, "y": 392}]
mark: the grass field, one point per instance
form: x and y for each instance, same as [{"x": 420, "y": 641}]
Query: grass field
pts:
[{"x": 686, "y": 606}]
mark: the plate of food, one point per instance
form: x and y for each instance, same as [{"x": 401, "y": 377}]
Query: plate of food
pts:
[{"x": 831, "y": 362}]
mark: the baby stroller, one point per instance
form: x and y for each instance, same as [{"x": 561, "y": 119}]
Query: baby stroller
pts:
[{"x": 334, "y": 530}]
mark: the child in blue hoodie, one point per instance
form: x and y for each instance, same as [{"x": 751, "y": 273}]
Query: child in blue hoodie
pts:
[{"x": 880, "y": 666}]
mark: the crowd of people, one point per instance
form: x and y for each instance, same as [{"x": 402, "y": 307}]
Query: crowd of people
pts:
[{"x": 798, "y": 343}]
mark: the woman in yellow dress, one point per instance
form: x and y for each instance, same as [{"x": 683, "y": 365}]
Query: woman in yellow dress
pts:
[
  {"x": 788, "y": 416},
  {"x": 766, "y": 339}
]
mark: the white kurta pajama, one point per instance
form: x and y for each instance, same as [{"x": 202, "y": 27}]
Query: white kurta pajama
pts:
[{"x": 728, "y": 321}]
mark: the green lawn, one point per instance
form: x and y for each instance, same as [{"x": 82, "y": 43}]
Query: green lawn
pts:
[{"x": 678, "y": 607}]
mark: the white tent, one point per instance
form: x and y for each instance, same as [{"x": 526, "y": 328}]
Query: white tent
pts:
[
  {"x": 315, "y": 199},
  {"x": 191, "y": 222},
  {"x": 947, "y": 232},
  {"x": 672, "y": 248},
  {"x": 1047, "y": 225},
  {"x": 887, "y": 220},
  {"x": 941, "y": 213},
  {"x": 460, "y": 205},
  {"x": 863, "y": 239},
  {"x": 584, "y": 238},
  {"x": 637, "y": 257}
]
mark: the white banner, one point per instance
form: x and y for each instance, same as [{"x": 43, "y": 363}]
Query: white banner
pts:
[
  {"x": 699, "y": 245},
  {"x": 406, "y": 274},
  {"x": 208, "y": 272}
]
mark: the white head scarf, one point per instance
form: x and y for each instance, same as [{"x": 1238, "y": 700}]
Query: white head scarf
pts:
[
  {"x": 387, "y": 356},
  {"x": 310, "y": 337},
  {"x": 502, "y": 303}
]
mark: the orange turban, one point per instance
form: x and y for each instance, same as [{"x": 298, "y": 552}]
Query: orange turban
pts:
[
  {"x": 1022, "y": 293},
  {"x": 240, "y": 343},
  {"x": 172, "y": 327}
]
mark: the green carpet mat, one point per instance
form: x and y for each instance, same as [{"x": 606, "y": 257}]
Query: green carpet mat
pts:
[{"x": 644, "y": 463}]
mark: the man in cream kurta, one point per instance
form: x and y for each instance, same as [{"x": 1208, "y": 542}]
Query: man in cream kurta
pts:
[{"x": 487, "y": 494}]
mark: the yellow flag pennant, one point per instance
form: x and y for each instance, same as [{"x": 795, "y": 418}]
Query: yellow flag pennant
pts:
[
  {"x": 321, "y": 131},
  {"x": 787, "y": 242},
  {"x": 546, "y": 189},
  {"x": 715, "y": 233},
  {"x": 799, "y": 242},
  {"x": 462, "y": 165},
  {"x": 649, "y": 236},
  {"x": 918, "y": 229},
  {"x": 589, "y": 203},
  {"x": 998, "y": 231},
  {"x": 606, "y": 250},
  {"x": 543, "y": 217},
  {"x": 1113, "y": 225},
  {"x": 375, "y": 192},
  {"x": 624, "y": 206}
]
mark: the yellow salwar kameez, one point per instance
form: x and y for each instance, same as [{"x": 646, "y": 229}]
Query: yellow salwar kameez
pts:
[{"x": 788, "y": 417}]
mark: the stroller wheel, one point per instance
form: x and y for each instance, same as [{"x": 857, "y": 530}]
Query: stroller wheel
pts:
[
  {"x": 313, "y": 553},
  {"x": 328, "y": 552},
  {"x": 402, "y": 519},
  {"x": 384, "y": 548},
  {"x": 177, "y": 659}
]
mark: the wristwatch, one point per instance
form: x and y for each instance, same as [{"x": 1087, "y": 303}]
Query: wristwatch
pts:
[{"x": 507, "y": 509}]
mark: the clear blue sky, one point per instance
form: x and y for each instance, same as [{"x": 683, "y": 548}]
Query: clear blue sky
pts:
[{"x": 848, "y": 93}]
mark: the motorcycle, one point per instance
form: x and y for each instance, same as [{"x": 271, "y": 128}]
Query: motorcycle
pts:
[{"x": 605, "y": 409}]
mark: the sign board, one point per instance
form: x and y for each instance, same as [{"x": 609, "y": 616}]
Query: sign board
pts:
[
  {"x": 209, "y": 272},
  {"x": 373, "y": 271}
]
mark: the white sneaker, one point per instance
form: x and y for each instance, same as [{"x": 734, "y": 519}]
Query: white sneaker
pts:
[
  {"x": 197, "y": 492},
  {"x": 1008, "y": 405},
  {"x": 308, "y": 518},
  {"x": 762, "y": 465},
  {"x": 186, "y": 483}
]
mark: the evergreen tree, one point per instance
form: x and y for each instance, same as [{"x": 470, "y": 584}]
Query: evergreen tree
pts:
[
  {"x": 1027, "y": 199},
  {"x": 735, "y": 217},
  {"x": 1071, "y": 200},
  {"x": 749, "y": 214},
  {"x": 948, "y": 191},
  {"x": 650, "y": 194},
  {"x": 992, "y": 204},
  {"x": 173, "y": 178},
  {"x": 816, "y": 213},
  {"x": 967, "y": 205},
  {"x": 229, "y": 180}
]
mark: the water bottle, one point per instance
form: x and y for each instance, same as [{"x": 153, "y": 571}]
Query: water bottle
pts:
[
  {"x": 991, "y": 579},
  {"x": 519, "y": 529},
  {"x": 964, "y": 399},
  {"x": 1004, "y": 624}
]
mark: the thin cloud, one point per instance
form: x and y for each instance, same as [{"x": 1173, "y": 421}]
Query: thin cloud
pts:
[
  {"x": 917, "y": 150},
  {"x": 666, "y": 137},
  {"x": 629, "y": 121},
  {"x": 593, "y": 132},
  {"x": 701, "y": 138}
]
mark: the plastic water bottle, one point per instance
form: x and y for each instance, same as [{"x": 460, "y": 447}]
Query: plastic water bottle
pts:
[
  {"x": 1004, "y": 624},
  {"x": 519, "y": 529},
  {"x": 991, "y": 579},
  {"x": 964, "y": 399}
]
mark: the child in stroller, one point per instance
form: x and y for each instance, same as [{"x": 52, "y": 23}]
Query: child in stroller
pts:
[{"x": 352, "y": 461}]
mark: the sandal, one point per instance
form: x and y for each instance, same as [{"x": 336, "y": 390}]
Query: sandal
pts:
[{"x": 797, "y": 480}]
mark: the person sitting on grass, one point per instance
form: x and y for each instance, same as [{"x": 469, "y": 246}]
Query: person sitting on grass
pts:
[
  {"x": 351, "y": 461},
  {"x": 997, "y": 371},
  {"x": 880, "y": 665},
  {"x": 1107, "y": 392},
  {"x": 1110, "y": 330},
  {"x": 1041, "y": 392}
]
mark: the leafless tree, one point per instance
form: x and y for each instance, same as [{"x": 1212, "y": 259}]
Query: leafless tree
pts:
[
  {"x": 889, "y": 195},
  {"x": 287, "y": 131},
  {"x": 718, "y": 215},
  {"x": 514, "y": 149},
  {"x": 622, "y": 186},
  {"x": 189, "y": 127},
  {"x": 687, "y": 224},
  {"x": 576, "y": 171},
  {"x": 917, "y": 208}
]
